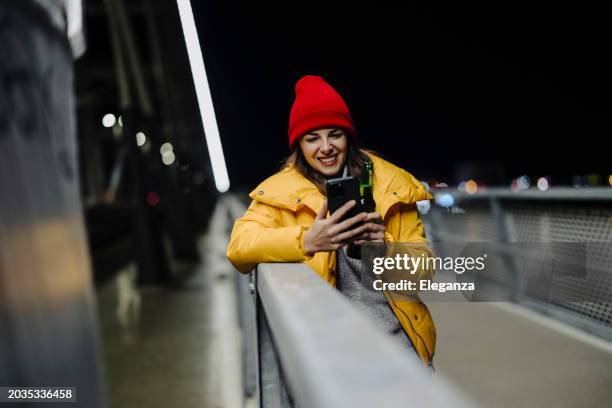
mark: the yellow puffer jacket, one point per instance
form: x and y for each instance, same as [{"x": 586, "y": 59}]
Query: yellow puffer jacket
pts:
[{"x": 284, "y": 206}]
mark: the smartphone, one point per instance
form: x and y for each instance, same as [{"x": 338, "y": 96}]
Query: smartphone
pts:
[{"x": 340, "y": 191}]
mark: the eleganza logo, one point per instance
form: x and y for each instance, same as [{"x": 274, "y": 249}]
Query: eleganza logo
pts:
[{"x": 555, "y": 272}]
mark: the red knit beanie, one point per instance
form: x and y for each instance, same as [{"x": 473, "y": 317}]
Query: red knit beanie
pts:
[{"x": 317, "y": 105}]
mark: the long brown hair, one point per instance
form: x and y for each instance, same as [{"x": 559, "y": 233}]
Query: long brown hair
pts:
[{"x": 356, "y": 157}]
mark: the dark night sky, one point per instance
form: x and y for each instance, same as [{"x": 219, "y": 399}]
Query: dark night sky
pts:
[{"x": 513, "y": 89}]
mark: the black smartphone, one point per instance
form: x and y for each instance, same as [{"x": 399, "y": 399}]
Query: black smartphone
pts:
[{"x": 340, "y": 191}]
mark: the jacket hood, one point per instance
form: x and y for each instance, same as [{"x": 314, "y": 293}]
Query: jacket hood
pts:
[{"x": 290, "y": 190}]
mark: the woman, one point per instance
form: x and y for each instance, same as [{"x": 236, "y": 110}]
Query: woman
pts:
[{"x": 286, "y": 221}]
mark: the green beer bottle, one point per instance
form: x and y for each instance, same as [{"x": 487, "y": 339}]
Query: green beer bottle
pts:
[
  {"x": 365, "y": 187},
  {"x": 365, "y": 191}
]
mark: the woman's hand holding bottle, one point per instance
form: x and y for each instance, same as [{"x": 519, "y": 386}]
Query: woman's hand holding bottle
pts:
[{"x": 374, "y": 231}]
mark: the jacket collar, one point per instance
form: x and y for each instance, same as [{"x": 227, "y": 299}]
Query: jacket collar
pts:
[{"x": 290, "y": 190}]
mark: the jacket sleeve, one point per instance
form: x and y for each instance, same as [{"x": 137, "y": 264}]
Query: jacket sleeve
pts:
[
  {"x": 258, "y": 237},
  {"x": 409, "y": 238}
]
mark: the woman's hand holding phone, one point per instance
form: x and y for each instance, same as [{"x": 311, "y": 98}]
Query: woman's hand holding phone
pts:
[
  {"x": 330, "y": 234},
  {"x": 375, "y": 229}
]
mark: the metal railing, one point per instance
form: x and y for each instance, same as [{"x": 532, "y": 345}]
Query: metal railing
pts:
[
  {"x": 312, "y": 348},
  {"x": 556, "y": 215}
]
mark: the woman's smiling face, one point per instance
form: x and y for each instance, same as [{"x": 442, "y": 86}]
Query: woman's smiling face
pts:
[{"x": 325, "y": 150}]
